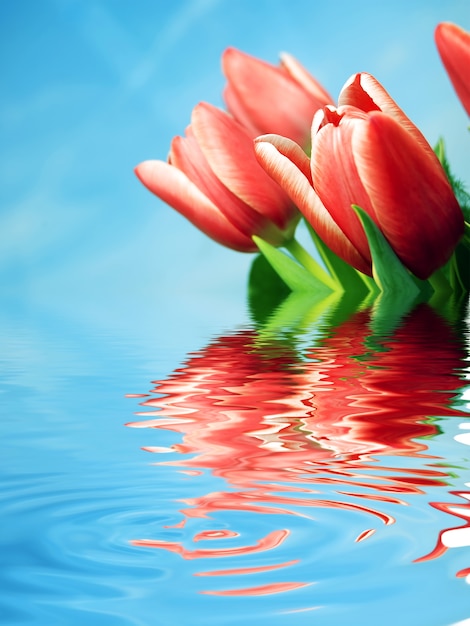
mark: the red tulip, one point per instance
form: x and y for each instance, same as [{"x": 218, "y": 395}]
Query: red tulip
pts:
[
  {"x": 270, "y": 99},
  {"x": 365, "y": 92},
  {"x": 371, "y": 155},
  {"x": 453, "y": 44},
  {"x": 212, "y": 178}
]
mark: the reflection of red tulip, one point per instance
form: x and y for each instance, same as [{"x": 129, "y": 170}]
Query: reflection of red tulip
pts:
[
  {"x": 213, "y": 179},
  {"x": 453, "y": 44},
  {"x": 279, "y": 428},
  {"x": 290, "y": 432},
  {"x": 456, "y": 536},
  {"x": 375, "y": 159},
  {"x": 270, "y": 99}
]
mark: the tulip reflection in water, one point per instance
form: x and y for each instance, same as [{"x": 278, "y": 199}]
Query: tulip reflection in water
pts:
[{"x": 282, "y": 420}]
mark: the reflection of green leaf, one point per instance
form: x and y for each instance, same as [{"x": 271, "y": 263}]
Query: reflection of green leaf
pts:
[
  {"x": 266, "y": 290},
  {"x": 305, "y": 316},
  {"x": 299, "y": 311},
  {"x": 351, "y": 302},
  {"x": 388, "y": 311},
  {"x": 303, "y": 319},
  {"x": 296, "y": 277},
  {"x": 389, "y": 273}
]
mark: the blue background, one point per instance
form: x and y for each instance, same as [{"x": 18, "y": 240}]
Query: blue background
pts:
[{"x": 91, "y": 88}]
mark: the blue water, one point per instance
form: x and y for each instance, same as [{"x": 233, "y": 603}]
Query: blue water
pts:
[{"x": 310, "y": 466}]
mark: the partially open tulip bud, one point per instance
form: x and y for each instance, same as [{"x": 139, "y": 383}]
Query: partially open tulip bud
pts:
[
  {"x": 376, "y": 159},
  {"x": 453, "y": 44},
  {"x": 212, "y": 177},
  {"x": 365, "y": 92},
  {"x": 270, "y": 99},
  {"x": 371, "y": 160}
]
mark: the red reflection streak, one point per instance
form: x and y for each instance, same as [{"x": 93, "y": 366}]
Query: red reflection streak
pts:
[
  {"x": 262, "y": 590},
  {"x": 237, "y": 501},
  {"x": 365, "y": 534},
  {"x": 215, "y": 534},
  {"x": 267, "y": 420},
  {"x": 272, "y": 540},
  {"x": 457, "y": 509},
  {"x": 137, "y": 395},
  {"x": 402, "y": 484},
  {"x": 248, "y": 570}
]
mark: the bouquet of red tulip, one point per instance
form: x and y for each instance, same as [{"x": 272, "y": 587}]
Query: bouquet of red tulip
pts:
[{"x": 384, "y": 212}]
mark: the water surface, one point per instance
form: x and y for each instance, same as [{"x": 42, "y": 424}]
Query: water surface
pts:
[{"x": 306, "y": 466}]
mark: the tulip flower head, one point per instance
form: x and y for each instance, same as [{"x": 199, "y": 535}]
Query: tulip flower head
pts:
[
  {"x": 368, "y": 153},
  {"x": 212, "y": 177},
  {"x": 453, "y": 44},
  {"x": 270, "y": 99}
]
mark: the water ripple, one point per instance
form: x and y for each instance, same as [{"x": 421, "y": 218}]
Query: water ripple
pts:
[{"x": 341, "y": 434}]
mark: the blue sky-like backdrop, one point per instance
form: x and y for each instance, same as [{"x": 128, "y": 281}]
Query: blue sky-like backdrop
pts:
[{"x": 89, "y": 88}]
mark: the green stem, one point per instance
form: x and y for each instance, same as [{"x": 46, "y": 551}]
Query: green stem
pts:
[{"x": 308, "y": 262}]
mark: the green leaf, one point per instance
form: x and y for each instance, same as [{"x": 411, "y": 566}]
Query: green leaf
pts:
[
  {"x": 296, "y": 277},
  {"x": 462, "y": 195},
  {"x": 460, "y": 267},
  {"x": 345, "y": 274},
  {"x": 389, "y": 273},
  {"x": 311, "y": 265},
  {"x": 466, "y": 236},
  {"x": 440, "y": 151}
]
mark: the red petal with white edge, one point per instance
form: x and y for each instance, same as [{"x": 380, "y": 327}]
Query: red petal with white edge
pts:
[
  {"x": 187, "y": 156},
  {"x": 453, "y": 44},
  {"x": 303, "y": 77},
  {"x": 334, "y": 174},
  {"x": 365, "y": 92},
  {"x": 230, "y": 154},
  {"x": 414, "y": 203},
  {"x": 174, "y": 187},
  {"x": 291, "y": 150},
  {"x": 297, "y": 185},
  {"x": 272, "y": 100}
]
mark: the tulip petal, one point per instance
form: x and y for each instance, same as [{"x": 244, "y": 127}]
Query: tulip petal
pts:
[
  {"x": 187, "y": 156},
  {"x": 334, "y": 173},
  {"x": 299, "y": 189},
  {"x": 229, "y": 151},
  {"x": 271, "y": 99},
  {"x": 291, "y": 150},
  {"x": 237, "y": 108},
  {"x": 303, "y": 77},
  {"x": 175, "y": 188},
  {"x": 415, "y": 206},
  {"x": 453, "y": 44},
  {"x": 363, "y": 91}
]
